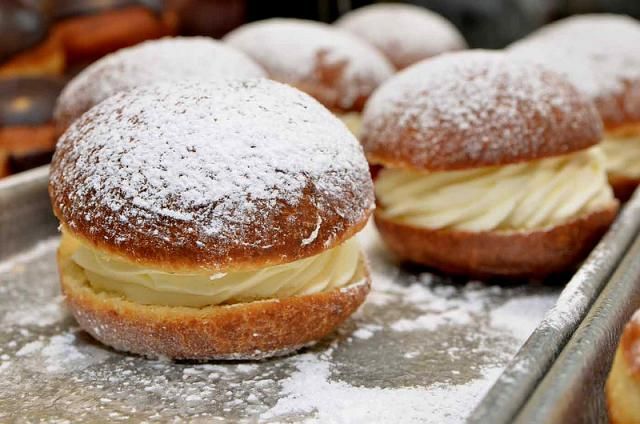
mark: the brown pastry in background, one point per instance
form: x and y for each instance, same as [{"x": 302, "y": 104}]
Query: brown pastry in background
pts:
[
  {"x": 332, "y": 65},
  {"x": 88, "y": 30},
  {"x": 27, "y": 134},
  {"x": 26, "y": 45},
  {"x": 404, "y": 33}
]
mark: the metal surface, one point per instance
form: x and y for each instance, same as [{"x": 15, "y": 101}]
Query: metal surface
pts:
[
  {"x": 529, "y": 366},
  {"x": 423, "y": 348},
  {"x": 25, "y": 212},
  {"x": 573, "y": 390}
]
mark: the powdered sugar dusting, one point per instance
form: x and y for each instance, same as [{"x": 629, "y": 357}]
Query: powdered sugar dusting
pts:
[
  {"x": 600, "y": 54},
  {"x": 211, "y": 168},
  {"x": 480, "y": 107},
  {"x": 167, "y": 59},
  {"x": 291, "y": 51},
  {"x": 310, "y": 390},
  {"x": 404, "y": 32}
]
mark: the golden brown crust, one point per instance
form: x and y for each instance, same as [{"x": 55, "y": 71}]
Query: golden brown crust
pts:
[
  {"x": 488, "y": 254},
  {"x": 623, "y": 383},
  {"x": 620, "y": 108},
  {"x": 92, "y": 36},
  {"x": 241, "y": 331},
  {"x": 629, "y": 345},
  {"x": 512, "y": 112}
]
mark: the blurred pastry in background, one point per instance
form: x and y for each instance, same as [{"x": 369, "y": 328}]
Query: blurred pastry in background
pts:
[
  {"x": 405, "y": 33},
  {"x": 27, "y": 133},
  {"x": 623, "y": 384},
  {"x": 89, "y": 29},
  {"x": 332, "y": 65},
  {"x": 26, "y": 47},
  {"x": 211, "y": 220},
  {"x": 600, "y": 55},
  {"x": 167, "y": 59},
  {"x": 481, "y": 154},
  {"x": 213, "y": 18}
]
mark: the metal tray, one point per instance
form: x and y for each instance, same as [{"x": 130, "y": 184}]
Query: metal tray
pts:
[{"x": 424, "y": 348}]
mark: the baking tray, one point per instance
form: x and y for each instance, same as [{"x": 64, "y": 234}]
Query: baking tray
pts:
[
  {"x": 573, "y": 389},
  {"x": 424, "y": 348},
  {"x": 523, "y": 375}
]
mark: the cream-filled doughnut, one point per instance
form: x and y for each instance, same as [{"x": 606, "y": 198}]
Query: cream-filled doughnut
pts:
[
  {"x": 168, "y": 59},
  {"x": 332, "y": 65},
  {"x": 623, "y": 383},
  {"x": 489, "y": 166},
  {"x": 405, "y": 33},
  {"x": 600, "y": 55},
  {"x": 211, "y": 220}
]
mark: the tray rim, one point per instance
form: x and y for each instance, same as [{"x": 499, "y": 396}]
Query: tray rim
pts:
[{"x": 519, "y": 379}]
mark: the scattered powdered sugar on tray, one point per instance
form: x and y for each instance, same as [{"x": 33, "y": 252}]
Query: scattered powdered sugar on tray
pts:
[
  {"x": 42, "y": 316},
  {"x": 310, "y": 389},
  {"x": 512, "y": 315},
  {"x": 455, "y": 341}
]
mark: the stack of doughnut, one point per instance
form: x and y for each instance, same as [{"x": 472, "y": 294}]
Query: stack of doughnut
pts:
[
  {"x": 404, "y": 33},
  {"x": 600, "y": 55},
  {"x": 332, "y": 65}
]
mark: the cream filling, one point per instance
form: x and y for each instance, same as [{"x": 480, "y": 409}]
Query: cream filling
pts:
[
  {"x": 331, "y": 269},
  {"x": 622, "y": 155},
  {"x": 525, "y": 196},
  {"x": 353, "y": 121}
]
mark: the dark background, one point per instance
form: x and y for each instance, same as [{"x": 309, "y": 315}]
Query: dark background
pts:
[{"x": 484, "y": 23}]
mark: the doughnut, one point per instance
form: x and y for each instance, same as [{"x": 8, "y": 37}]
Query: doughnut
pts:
[
  {"x": 600, "y": 55},
  {"x": 480, "y": 155},
  {"x": 330, "y": 64},
  {"x": 404, "y": 33},
  {"x": 27, "y": 133},
  {"x": 167, "y": 59},
  {"x": 211, "y": 220},
  {"x": 26, "y": 49},
  {"x": 623, "y": 384},
  {"x": 89, "y": 30}
]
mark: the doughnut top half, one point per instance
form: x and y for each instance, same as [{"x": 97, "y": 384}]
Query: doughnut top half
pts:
[
  {"x": 473, "y": 109},
  {"x": 217, "y": 176}
]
